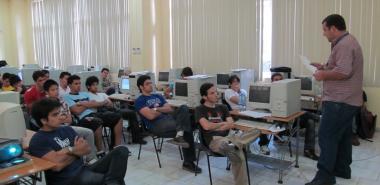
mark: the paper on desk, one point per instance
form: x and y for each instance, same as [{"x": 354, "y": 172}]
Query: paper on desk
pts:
[
  {"x": 307, "y": 64},
  {"x": 255, "y": 114}
]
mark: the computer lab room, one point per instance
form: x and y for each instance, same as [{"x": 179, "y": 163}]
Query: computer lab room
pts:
[{"x": 189, "y": 92}]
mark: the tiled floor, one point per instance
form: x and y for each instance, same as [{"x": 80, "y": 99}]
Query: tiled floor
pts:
[{"x": 365, "y": 168}]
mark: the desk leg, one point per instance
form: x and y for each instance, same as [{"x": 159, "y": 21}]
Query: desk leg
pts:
[{"x": 297, "y": 141}]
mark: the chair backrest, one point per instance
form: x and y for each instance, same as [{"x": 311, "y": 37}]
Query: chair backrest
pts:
[{"x": 226, "y": 103}]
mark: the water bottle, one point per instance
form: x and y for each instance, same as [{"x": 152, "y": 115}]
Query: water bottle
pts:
[{"x": 242, "y": 101}]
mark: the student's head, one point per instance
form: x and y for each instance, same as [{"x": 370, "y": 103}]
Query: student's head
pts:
[
  {"x": 51, "y": 88},
  {"x": 15, "y": 81},
  {"x": 234, "y": 82},
  {"x": 46, "y": 73},
  {"x": 63, "y": 78},
  {"x": 92, "y": 84},
  {"x": 39, "y": 78},
  {"x": 333, "y": 25},
  {"x": 5, "y": 78},
  {"x": 74, "y": 83},
  {"x": 105, "y": 72},
  {"x": 276, "y": 77},
  {"x": 145, "y": 85},
  {"x": 208, "y": 93},
  {"x": 187, "y": 71},
  {"x": 47, "y": 114}
]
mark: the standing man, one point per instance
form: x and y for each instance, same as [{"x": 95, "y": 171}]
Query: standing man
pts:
[{"x": 342, "y": 78}]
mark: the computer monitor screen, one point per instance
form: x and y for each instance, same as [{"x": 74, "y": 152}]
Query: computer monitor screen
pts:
[
  {"x": 180, "y": 89},
  {"x": 12, "y": 122},
  {"x": 163, "y": 76},
  {"x": 125, "y": 84},
  {"x": 222, "y": 79},
  {"x": 259, "y": 94},
  {"x": 306, "y": 83}
]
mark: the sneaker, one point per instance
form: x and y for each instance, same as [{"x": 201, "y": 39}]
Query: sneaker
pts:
[
  {"x": 179, "y": 141},
  {"x": 264, "y": 150},
  {"x": 191, "y": 167},
  {"x": 231, "y": 151}
]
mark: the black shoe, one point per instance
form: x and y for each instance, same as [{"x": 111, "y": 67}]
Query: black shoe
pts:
[
  {"x": 179, "y": 141},
  {"x": 191, "y": 167},
  {"x": 310, "y": 154},
  {"x": 342, "y": 175},
  {"x": 319, "y": 182}
]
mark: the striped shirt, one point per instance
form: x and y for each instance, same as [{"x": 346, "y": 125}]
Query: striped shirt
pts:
[{"x": 346, "y": 58}]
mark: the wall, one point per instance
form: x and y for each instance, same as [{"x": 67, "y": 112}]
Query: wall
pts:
[
  {"x": 373, "y": 104},
  {"x": 16, "y": 32}
]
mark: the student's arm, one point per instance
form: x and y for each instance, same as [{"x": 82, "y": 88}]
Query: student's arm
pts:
[
  {"x": 92, "y": 104},
  {"x": 228, "y": 95},
  {"x": 210, "y": 126},
  {"x": 229, "y": 124},
  {"x": 77, "y": 109},
  {"x": 64, "y": 157},
  {"x": 149, "y": 113},
  {"x": 165, "y": 109}
]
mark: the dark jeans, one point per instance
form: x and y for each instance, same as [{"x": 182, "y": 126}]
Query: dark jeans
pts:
[
  {"x": 335, "y": 134},
  {"x": 179, "y": 121},
  {"x": 131, "y": 116},
  {"x": 307, "y": 122},
  {"x": 110, "y": 169}
]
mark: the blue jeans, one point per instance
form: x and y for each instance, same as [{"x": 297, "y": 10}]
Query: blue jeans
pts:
[{"x": 335, "y": 134}]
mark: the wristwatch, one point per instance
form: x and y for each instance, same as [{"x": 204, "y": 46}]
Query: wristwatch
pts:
[
  {"x": 155, "y": 109},
  {"x": 71, "y": 149}
]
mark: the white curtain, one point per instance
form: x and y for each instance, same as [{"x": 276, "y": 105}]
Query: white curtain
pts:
[
  {"x": 87, "y": 32},
  {"x": 217, "y": 35},
  {"x": 297, "y": 30}
]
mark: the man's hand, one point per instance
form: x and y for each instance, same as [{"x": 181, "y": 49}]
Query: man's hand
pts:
[
  {"x": 318, "y": 66},
  {"x": 81, "y": 147},
  {"x": 319, "y": 75}
]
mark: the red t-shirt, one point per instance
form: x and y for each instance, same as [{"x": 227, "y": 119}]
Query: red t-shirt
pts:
[{"x": 32, "y": 95}]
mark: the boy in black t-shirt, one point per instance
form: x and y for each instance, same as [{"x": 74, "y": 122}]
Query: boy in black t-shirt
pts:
[
  {"x": 216, "y": 124},
  {"x": 61, "y": 145}
]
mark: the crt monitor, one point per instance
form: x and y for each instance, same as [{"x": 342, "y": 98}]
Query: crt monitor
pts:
[
  {"x": 163, "y": 77},
  {"x": 12, "y": 122},
  {"x": 222, "y": 80},
  {"x": 10, "y": 96},
  {"x": 181, "y": 89},
  {"x": 259, "y": 96},
  {"x": 307, "y": 85}
]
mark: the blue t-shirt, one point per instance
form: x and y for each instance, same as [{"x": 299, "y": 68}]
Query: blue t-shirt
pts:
[
  {"x": 154, "y": 100},
  {"x": 72, "y": 99},
  {"x": 43, "y": 142}
]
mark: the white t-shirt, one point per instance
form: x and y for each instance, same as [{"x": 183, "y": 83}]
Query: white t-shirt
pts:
[
  {"x": 62, "y": 91},
  {"x": 229, "y": 93},
  {"x": 98, "y": 97}
]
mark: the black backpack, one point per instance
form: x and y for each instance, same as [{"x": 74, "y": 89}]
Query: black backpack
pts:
[{"x": 366, "y": 123}]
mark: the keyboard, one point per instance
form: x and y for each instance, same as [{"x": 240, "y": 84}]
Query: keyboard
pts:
[
  {"x": 120, "y": 96},
  {"x": 255, "y": 114},
  {"x": 176, "y": 103}
]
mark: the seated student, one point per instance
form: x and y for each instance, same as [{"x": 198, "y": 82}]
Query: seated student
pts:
[
  {"x": 51, "y": 89},
  {"x": 216, "y": 123},
  {"x": 107, "y": 81},
  {"x": 16, "y": 82},
  {"x": 62, "y": 146},
  {"x": 107, "y": 112},
  {"x": 236, "y": 98},
  {"x": 63, "y": 86},
  {"x": 6, "y": 86},
  {"x": 307, "y": 121},
  {"x": 35, "y": 92},
  {"x": 155, "y": 114},
  {"x": 81, "y": 106}
]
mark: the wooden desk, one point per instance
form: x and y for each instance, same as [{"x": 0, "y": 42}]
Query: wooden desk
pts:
[
  {"x": 280, "y": 163},
  {"x": 37, "y": 165}
]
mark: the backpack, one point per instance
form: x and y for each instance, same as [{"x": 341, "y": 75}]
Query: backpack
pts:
[{"x": 366, "y": 123}]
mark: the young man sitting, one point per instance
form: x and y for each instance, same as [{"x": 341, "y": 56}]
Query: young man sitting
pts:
[
  {"x": 236, "y": 98},
  {"x": 51, "y": 89},
  {"x": 61, "y": 145},
  {"x": 155, "y": 114},
  {"x": 63, "y": 86},
  {"x": 35, "y": 92},
  {"x": 216, "y": 123}
]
